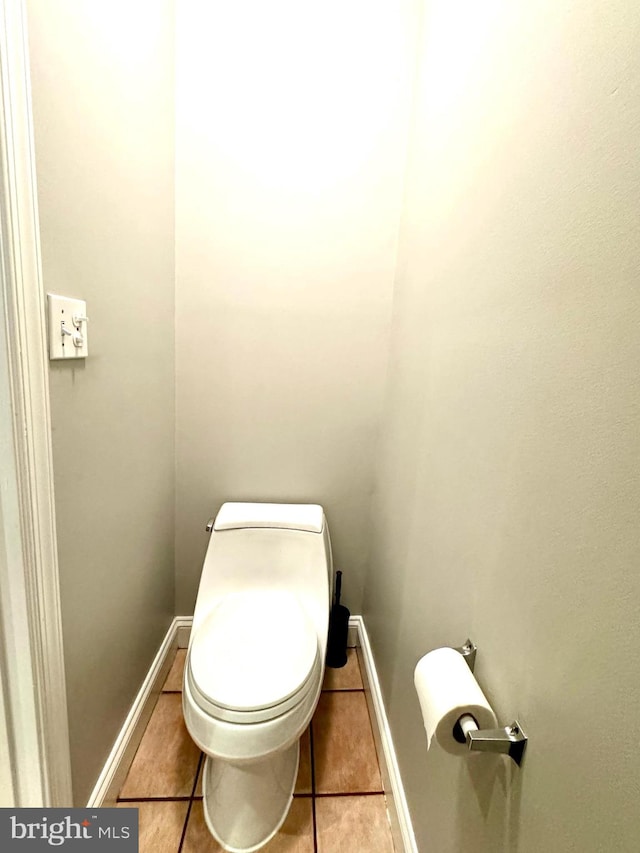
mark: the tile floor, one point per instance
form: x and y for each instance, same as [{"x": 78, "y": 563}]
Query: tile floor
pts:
[{"x": 338, "y": 805}]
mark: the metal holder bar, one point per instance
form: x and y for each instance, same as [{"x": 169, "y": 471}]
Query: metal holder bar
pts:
[
  {"x": 468, "y": 651},
  {"x": 510, "y": 740}
]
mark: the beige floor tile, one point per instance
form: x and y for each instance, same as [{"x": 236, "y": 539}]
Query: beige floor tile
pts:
[
  {"x": 160, "y": 825},
  {"x": 166, "y": 761},
  {"x": 347, "y": 677},
  {"x": 303, "y": 782},
  {"x": 174, "y": 679},
  {"x": 295, "y": 836},
  {"x": 343, "y": 748},
  {"x": 353, "y": 825}
]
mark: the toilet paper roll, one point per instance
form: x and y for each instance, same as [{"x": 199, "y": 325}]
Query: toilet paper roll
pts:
[{"x": 447, "y": 689}]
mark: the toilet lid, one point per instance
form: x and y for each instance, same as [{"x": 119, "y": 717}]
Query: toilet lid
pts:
[{"x": 254, "y": 650}]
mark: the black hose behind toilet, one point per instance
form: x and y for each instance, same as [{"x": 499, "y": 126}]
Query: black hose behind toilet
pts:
[{"x": 338, "y": 630}]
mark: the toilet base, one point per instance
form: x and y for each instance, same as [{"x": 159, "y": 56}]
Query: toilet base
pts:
[{"x": 246, "y": 804}]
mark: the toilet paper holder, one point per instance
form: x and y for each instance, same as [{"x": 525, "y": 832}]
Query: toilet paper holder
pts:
[
  {"x": 510, "y": 740},
  {"x": 468, "y": 651}
]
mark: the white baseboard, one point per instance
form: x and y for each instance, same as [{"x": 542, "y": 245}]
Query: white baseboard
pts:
[
  {"x": 124, "y": 748},
  {"x": 401, "y": 827},
  {"x": 117, "y": 765}
]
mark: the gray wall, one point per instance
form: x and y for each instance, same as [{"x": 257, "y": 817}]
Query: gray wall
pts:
[
  {"x": 506, "y": 498},
  {"x": 508, "y": 494},
  {"x": 102, "y": 76},
  {"x": 291, "y": 132}
]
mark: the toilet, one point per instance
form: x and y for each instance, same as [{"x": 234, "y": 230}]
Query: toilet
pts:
[{"x": 255, "y": 662}]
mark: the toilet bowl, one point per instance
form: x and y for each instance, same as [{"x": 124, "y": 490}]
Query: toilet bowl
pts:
[{"x": 255, "y": 662}]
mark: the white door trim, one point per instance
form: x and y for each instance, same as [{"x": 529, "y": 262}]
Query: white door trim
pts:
[{"x": 31, "y": 661}]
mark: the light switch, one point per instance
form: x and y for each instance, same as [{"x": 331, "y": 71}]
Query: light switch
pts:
[{"x": 67, "y": 327}]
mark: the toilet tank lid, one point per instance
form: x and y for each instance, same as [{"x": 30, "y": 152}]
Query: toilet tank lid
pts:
[{"x": 307, "y": 517}]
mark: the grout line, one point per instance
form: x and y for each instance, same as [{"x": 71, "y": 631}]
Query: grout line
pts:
[
  {"x": 344, "y": 690},
  {"x": 153, "y": 799},
  {"x": 351, "y": 794},
  {"x": 170, "y": 692},
  {"x": 198, "y": 797},
  {"x": 195, "y": 781},
  {"x": 191, "y": 800},
  {"x": 313, "y": 789},
  {"x": 184, "y": 826}
]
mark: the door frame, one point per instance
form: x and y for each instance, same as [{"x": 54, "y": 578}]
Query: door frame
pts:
[{"x": 31, "y": 649}]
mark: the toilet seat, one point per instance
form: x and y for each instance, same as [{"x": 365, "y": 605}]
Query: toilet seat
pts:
[{"x": 254, "y": 657}]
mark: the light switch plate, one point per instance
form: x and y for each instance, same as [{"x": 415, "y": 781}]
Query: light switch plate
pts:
[{"x": 63, "y": 330}]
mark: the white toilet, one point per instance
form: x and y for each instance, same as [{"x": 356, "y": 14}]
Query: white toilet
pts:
[{"x": 255, "y": 662}]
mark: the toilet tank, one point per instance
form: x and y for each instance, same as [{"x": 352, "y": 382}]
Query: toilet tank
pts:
[
  {"x": 270, "y": 546},
  {"x": 242, "y": 516}
]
